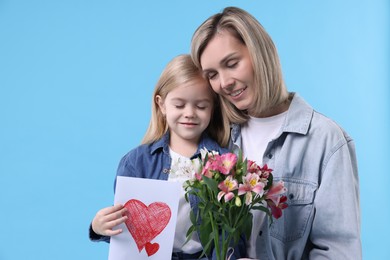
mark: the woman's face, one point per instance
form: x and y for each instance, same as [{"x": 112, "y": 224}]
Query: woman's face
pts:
[{"x": 227, "y": 64}]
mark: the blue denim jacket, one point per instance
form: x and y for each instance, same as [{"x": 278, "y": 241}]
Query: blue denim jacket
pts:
[
  {"x": 316, "y": 160},
  {"x": 152, "y": 161}
]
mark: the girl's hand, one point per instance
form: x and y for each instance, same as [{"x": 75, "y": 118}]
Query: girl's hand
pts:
[{"x": 107, "y": 218}]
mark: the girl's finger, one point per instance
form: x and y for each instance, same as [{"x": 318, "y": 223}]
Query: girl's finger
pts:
[{"x": 113, "y": 232}]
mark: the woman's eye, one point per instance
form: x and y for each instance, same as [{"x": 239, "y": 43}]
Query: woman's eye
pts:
[
  {"x": 231, "y": 64},
  {"x": 211, "y": 75}
]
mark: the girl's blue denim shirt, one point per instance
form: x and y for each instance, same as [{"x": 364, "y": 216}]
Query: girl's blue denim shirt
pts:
[
  {"x": 316, "y": 160},
  {"x": 152, "y": 161}
]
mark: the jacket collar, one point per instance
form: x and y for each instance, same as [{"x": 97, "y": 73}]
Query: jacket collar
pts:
[
  {"x": 298, "y": 118},
  {"x": 163, "y": 144}
]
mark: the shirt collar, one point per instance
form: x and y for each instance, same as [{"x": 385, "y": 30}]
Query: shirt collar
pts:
[
  {"x": 162, "y": 143},
  {"x": 298, "y": 116},
  {"x": 205, "y": 142},
  {"x": 297, "y": 120}
]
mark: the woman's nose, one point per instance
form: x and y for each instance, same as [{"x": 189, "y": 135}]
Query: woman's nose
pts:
[{"x": 226, "y": 81}]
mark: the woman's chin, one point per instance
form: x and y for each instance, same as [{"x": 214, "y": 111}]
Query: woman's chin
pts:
[{"x": 240, "y": 106}]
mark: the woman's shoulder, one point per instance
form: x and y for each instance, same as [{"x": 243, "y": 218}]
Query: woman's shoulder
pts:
[
  {"x": 304, "y": 116},
  {"x": 327, "y": 127}
]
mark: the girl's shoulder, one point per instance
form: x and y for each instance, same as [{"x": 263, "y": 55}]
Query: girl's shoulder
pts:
[{"x": 145, "y": 149}]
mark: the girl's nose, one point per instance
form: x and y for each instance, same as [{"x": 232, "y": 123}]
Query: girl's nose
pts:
[{"x": 189, "y": 112}]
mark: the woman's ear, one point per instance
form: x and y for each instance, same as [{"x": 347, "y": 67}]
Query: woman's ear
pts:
[{"x": 160, "y": 103}]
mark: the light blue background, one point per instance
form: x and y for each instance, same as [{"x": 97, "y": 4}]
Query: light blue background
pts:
[{"x": 76, "y": 79}]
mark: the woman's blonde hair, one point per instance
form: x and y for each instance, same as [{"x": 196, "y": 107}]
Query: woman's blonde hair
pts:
[
  {"x": 271, "y": 90},
  {"x": 179, "y": 71}
]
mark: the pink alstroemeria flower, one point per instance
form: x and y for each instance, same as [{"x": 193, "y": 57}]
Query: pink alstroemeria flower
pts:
[
  {"x": 208, "y": 169},
  {"x": 198, "y": 176},
  {"x": 252, "y": 167},
  {"x": 276, "y": 210},
  {"x": 275, "y": 192},
  {"x": 265, "y": 171},
  {"x": 251, "y": 183},
  {"x": 226, "y": 187},
  {"x": 227, "y": 162}
]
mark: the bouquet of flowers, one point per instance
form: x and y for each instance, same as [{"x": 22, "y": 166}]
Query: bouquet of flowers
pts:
[{"x": 227, "y": 188}]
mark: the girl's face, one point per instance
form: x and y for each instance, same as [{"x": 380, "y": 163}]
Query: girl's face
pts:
[
  {"x": 227, "y": 64},
  {"x": 188, "y": 109}
]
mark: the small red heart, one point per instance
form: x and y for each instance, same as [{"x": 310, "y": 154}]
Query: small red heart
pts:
[
  {"x": 151, "y": 249},
  {"x": 145, "y": 223}
]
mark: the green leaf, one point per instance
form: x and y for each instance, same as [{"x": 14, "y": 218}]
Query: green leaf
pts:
[
  {"x": 189, "y": 233},
  {"x": 192, "y": 217},
  {"x": 239, "y": 159},
  {"x": 270, "y": 181},
  {"x": 229, "y": 229},
  {"x": 248, "y": 227},
  {"x": 206, "y": 238},
  {"x": 245, "y": 166},
  {"x": 262, "y": 208},
  {"x": 211, "y": 183},
  {"x": 206, "y": 158}
]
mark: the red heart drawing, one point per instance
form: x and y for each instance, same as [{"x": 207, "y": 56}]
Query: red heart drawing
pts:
[
  {"x": 145, "y": 223},
  {"x": 151, "y": 249}
]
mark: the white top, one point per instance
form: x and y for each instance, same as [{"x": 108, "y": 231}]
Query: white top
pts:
[
  {"x": 257, "y": 133},
  {"x": 182, "y": 169}
]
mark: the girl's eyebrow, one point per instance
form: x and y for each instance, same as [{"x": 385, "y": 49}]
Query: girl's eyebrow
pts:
[
  {"x": 197, "y": 100},
  {"x": 204, "y": 100}
]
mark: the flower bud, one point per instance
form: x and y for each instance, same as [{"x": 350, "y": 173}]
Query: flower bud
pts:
[{"x": 238, "y": 201}]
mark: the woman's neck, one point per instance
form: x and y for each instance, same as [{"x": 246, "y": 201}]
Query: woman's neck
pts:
[{"x": 276, "y": 110}]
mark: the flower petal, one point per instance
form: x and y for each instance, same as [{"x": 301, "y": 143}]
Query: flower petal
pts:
[{"x": 229, "y": 196}]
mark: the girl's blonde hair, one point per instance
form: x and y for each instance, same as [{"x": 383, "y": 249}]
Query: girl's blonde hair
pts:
[
  {"x": 179, "y": 71},
  {"x": 271, "y": 90}
]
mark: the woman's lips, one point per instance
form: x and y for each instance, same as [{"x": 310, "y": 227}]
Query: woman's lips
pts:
[{"x": 237, "y": 93}]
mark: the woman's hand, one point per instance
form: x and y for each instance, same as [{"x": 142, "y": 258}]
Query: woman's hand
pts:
[{"x": 107, "y": 218}]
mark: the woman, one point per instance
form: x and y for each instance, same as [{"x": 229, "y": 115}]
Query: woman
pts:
[{"x": 308, "y": 151}]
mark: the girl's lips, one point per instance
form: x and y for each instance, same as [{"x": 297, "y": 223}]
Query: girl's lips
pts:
[{"x": 189, "y": 124}]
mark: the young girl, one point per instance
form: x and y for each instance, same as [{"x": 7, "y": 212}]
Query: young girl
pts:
[{"x": 186, "y": 117}]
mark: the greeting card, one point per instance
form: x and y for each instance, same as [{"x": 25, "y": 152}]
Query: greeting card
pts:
[{"x": 152, "y": 211}]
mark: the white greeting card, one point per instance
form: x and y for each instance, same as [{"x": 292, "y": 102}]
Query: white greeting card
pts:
[{"x": 152, "y": 212}]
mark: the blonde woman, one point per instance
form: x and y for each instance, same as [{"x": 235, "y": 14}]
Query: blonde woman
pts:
[{"x": 308, "y": 151}]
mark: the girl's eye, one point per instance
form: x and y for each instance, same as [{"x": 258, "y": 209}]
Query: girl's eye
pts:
[
  {"x": 203, "y": 105},
  {"x": 179, "y": 106}
]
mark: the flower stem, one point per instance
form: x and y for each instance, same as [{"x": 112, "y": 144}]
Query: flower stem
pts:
[{"x": 216, "y": 236}]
